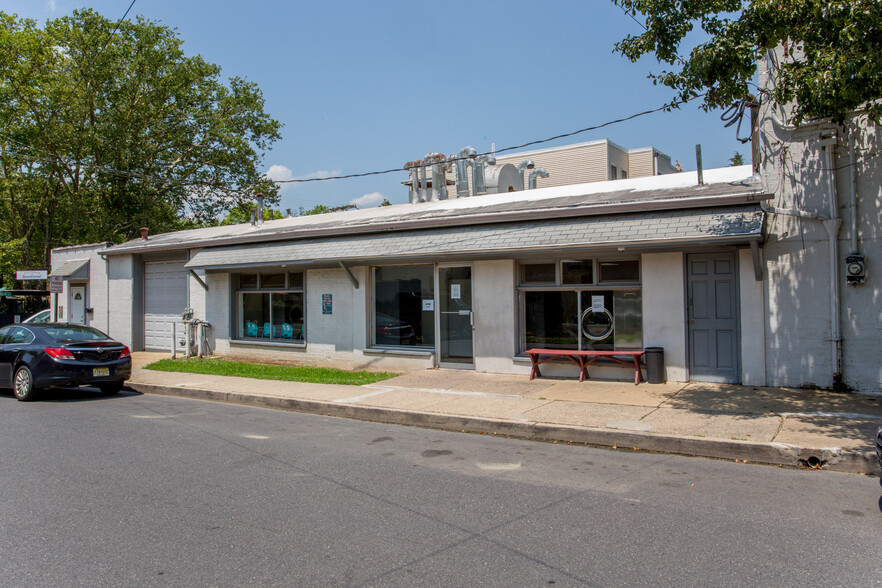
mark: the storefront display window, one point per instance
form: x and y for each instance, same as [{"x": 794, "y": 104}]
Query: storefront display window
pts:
[
  {"x": 576, "y": 313},
  {"x": 270, "y": 307},
  {"x": 404, "y": 306}
]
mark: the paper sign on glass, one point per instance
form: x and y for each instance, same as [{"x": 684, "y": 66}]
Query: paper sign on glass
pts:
[
  {"x": 597, "y": 303},
  {"x": 455, "y": 291},
  {"x": 428, "y": 305}
]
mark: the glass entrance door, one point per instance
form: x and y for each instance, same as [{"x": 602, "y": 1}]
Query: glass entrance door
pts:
[{"x": 455, "y": 317}]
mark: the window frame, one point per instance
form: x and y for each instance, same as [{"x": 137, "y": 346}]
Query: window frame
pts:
[
  {"x": 370, "y": 338},
  {"x": 595, "y": 286},
  {"x": 238, "y": 309}
]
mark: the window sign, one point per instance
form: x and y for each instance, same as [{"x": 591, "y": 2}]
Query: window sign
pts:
[
  {"x": 428, "y": 305},
  {"x": 56, "y": 284},
  {"x": 597, "y": 303},
  {"x": 327, "y": 304},
  {"x": 455, "y": 291}
]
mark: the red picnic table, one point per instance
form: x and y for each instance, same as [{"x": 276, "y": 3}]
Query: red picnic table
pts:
[{"x": 585, "y": 358}]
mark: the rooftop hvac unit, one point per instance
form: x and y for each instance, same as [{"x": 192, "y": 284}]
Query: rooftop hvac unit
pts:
[{"x": 503, "y": 178}]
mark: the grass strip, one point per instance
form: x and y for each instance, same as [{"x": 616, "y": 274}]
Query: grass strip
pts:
[{"x": 262, "y": 371}]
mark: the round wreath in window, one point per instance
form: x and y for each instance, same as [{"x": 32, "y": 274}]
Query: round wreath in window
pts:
[{"x": 597, "y": 324}]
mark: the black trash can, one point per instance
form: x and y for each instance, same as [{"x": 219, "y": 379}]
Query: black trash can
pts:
[{"x": 655, "y": 365}]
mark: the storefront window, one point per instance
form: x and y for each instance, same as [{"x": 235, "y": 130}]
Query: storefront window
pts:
[
  {"x": 538, "y": 273},
  {"x": 271, "y": 313},
  {"x": 576, "y": 314},
  {"x": 404, "y": 306}
]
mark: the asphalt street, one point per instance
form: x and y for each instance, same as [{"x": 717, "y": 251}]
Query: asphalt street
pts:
[{"x": 160, "y": 491}]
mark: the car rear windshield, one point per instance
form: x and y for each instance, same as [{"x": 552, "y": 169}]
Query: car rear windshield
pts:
[{"x": 75, "y": 333}]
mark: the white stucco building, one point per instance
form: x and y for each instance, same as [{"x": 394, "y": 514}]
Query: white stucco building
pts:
[
  {"x": 468, "y": 282},
  {"x": 742, "y": 277}
]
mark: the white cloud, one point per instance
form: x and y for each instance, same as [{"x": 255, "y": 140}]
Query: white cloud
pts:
[
  {"x": 372, "y": 199},
  {"x": 51, "y": 5},
  {"x": 280, "y": 173}
]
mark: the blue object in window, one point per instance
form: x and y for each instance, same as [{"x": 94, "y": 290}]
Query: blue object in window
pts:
[
  {"x": 269, "y": 331},
  {"x": 287, "y": 331},
  {"x": 250, "y": 329}
]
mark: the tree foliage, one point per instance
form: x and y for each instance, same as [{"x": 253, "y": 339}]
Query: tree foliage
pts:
[
  {"x": 832, "y": 48},
  {"x": 736, "y": 160},
  {"x": 103, "y": 132},
  {"x": 241, "y": 213}
]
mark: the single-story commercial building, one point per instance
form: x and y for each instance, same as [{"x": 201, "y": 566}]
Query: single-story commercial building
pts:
[{"x": 470, "y": 282}]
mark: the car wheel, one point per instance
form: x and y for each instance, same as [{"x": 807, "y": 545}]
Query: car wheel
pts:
[
  {"x": 111, "y": 388},
  {"x": 23, "y": 384}
]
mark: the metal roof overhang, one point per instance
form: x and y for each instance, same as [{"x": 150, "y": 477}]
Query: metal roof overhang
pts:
[
  {"x": 76, "y": 269},
  {"x": 621, "y": 202},
  {"x": 645, "y": 230}
]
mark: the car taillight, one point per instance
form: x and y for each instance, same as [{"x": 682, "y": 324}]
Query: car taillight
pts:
[
  {"x": 59, "y": 353},
  {"x": 125, "y": 353}
]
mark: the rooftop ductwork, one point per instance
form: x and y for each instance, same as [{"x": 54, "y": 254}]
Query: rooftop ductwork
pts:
[
  {"x": 439, "y": 175},
  {"x": 412, "y": 168},
  {"x": 259, "y": 208},
  {"x": 479, "y": 183},
  {"x": 462, "y": 161},
  {"x": 539, "y": 172},
  {"x": 524, "y": 165},
  {"x": 503, "y": 178}
]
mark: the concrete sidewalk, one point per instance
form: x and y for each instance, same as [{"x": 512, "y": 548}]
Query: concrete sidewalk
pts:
[{"x": 796, "y": 428}]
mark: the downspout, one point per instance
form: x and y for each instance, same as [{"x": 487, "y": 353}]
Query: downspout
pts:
[
  {"x": 853, "y": 199},
  {"x": 833, "y": 225}
]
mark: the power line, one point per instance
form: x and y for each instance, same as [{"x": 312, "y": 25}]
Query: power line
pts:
[
  {"x": 107, "y": 42},
  {"x": 161, "y": 179},
  {"x": 666, "y": 107}
]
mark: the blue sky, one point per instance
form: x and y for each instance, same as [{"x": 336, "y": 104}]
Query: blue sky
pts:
[{"x": 364, "y": 86}]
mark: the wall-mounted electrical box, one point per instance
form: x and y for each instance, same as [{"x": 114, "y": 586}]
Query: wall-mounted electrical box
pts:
[{"x": 855, "y": 269}]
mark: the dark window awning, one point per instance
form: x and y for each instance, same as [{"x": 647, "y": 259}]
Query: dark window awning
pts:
[
  {"x": 75, "y": 269},
  {"x": 734, "y": 224}
]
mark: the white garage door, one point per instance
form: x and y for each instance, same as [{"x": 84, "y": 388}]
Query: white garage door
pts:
[{"x": 165, "y": 298}]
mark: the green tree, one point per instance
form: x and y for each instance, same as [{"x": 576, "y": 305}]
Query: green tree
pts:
[
  {"x": 11, "y": 259},
  {"x": 833, "y": 51},
  {"x": 736, "y": 159},
  {"x": 385, "y": 202},
  {"x": 103, "y": 132},
  {"x": 241, "y": 213}
]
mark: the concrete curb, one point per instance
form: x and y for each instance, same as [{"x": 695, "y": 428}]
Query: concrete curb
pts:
[{"x": 780, "y": 454}]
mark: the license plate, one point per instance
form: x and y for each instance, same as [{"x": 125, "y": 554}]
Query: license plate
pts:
[{"x": 101, "y": 372}]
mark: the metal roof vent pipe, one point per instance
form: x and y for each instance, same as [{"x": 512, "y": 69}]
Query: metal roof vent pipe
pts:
[
  {"x": 462, "y": 161},
  {"x": 411, "y": 167},
  {"x": 253, "y": 217},
  {"x": 539, "y": 172},
  {"x": 439, "y": 175},
  {"x": 524, "y": 165},
  {"x": 259, "y": 208},
  {"x": 479, "y": 183},
  {"x": 288, "y": 213},
  {"x": 423, "y": 183}
]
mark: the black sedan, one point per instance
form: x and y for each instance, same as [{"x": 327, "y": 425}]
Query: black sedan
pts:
[{"x": 35, "y": 356}]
